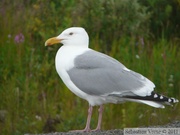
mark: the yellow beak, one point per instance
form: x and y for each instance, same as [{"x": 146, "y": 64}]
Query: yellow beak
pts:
[{"x": 52, "y": 41}]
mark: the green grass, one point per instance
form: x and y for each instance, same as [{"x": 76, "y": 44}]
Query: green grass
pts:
[{"x": 33, "y": 98}]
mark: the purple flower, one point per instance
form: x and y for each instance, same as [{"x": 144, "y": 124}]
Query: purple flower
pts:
[{"x": 19, "y": 38}]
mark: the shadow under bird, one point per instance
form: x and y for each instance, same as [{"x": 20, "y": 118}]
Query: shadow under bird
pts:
[{"x": 99, "y": 78}]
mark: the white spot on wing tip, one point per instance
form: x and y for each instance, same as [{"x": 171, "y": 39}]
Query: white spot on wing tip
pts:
[
  {"x": 169, "y": 100},
  {"x": 155, "y": 95}
]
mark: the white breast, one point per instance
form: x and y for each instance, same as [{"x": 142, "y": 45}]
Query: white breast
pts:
[{"x": 65, "y": 61}]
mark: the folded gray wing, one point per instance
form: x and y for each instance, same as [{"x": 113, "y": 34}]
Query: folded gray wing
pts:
[{"x": 98, "y": 74}]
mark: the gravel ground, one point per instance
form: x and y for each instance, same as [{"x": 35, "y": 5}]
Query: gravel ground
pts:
[{"x": 175, "y": 124}]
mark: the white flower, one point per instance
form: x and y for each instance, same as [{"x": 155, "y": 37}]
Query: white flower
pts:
[{"x": 137, "y": 56}]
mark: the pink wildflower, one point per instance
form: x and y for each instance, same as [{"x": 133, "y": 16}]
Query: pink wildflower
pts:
[{"x": 19, "y": 38}]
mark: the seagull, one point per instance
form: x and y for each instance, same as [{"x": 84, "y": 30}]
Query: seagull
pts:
[{"x": 99, "y": 78}]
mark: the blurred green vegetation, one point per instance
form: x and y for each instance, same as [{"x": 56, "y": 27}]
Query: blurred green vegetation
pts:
[{"x": 143, "y": 35}]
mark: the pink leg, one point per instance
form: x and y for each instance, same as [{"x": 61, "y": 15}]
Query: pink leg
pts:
[
  {"x": 87, "y": 128},
  {"x": 99, "y": 118}
]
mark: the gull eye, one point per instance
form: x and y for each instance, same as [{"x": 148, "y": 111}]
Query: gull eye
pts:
[{"x": 71, "y": 33}]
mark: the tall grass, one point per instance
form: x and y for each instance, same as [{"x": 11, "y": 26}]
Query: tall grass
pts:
[{"x": 33, "y": 99}]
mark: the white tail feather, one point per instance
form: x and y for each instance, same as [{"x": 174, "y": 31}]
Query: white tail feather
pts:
[{"x": 150, "y": 103}]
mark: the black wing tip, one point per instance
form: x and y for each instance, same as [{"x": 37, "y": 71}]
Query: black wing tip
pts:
[{"x": 155, "y": 97}]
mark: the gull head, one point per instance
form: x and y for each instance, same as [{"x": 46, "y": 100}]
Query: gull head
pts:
[{"x": 74, "y": 36}]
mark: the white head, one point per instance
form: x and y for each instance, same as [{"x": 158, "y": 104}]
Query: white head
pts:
[{"x": 75, "y": 36}]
